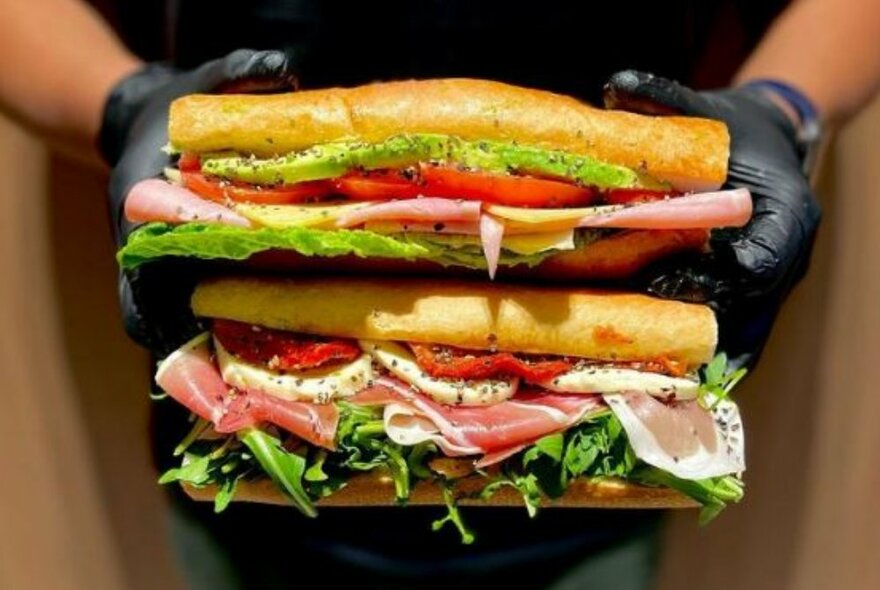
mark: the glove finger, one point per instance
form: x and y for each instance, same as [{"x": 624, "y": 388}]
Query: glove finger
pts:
[
  {"x": 648, "y": 94},
  {"x": 246, "y": 70}
]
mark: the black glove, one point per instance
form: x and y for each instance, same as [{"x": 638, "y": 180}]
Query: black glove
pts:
[
  {"x": 749, "y": 271},
  {"x": 133, "y": 133}
]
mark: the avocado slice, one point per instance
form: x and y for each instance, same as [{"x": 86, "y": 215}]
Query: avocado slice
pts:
[{"x": 335, "y": 159}]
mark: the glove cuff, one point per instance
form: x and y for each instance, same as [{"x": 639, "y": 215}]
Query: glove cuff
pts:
[{"x": 123, "y": 104}]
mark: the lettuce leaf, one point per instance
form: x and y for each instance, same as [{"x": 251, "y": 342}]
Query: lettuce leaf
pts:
[{"x": 212, "y": 241}]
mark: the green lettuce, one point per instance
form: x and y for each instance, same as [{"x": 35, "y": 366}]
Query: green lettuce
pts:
[{"x": 213, "y": 241}]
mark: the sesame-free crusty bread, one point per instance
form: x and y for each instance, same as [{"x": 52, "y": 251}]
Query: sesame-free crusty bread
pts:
[
  {"x": 577, "y": 322},
  {"x": 377, "y": 489},
  {"x": 690, "y": 153}
]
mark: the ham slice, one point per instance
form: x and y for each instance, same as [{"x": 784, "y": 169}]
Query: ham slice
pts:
[
  {"x": 156, "y": 200},
  {"x": 732, "y": 208},
  {"x": 434, "y": 209},
  {"x": 190, "y": 376},
  {"x": 491, "y": 234},
  {"x": 682, "y": 438},
  {"x": 411, "y": 418}
]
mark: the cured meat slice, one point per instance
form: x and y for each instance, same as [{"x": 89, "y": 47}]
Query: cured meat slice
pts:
[
  {"x": 411, "y": 418},
  {"x": 190, "y": 376},
  {"x": 682, "y": 438},
  {"x": 422, "y": 209},
  {"x": 157, "y": 200}
]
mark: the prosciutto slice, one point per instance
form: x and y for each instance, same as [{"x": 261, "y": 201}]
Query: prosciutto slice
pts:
[
  {"x": 190, "y": 376},
  {"x": 682, "y": 438},
  {"x": 411, "y": 418},
  {"x": 732, "y": 208},
  {"x": 421, "y": 209},
  {"x": 156, "y": 200}
]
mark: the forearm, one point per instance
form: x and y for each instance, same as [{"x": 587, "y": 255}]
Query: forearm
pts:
[
  {"x": 829, "y": 49},
  {"x": 58, "y": 63}
]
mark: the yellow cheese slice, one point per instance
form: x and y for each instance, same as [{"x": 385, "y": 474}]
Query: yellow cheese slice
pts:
[
  {"x": 318, "y": 215},
  {"x": 520, "y": 219}
]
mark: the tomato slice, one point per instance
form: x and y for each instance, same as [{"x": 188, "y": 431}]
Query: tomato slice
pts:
[
  {"x": 515, "y": 191},
  {"x": 455, "y": 363},
  {"x": 189, "y": 162},
  {"x": 280, "y": 350},
  {"x": 222, "y": 191},
  {"x": 378, "y": 185}
]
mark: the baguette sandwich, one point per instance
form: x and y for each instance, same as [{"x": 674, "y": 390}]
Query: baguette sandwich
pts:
[
  {"x": 417, "y": 176},
  {"x": 362, "y": 392}
]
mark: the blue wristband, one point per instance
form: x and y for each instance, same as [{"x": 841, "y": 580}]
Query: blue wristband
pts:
[{"x": 806, "y": 110}]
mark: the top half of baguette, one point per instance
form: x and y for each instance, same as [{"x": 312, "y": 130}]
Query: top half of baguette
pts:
[
  {"x": 584, "y": 323},
  {"x": 690, "y": 153}
]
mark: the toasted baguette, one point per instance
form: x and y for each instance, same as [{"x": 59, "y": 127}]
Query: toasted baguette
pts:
[
  {"x": 378, "y": 490},
  {"x": 690, "y": 153},
  {"x": 583, "y": 323}
]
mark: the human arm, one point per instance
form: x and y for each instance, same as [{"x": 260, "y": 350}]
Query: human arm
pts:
[
  {"x": 58, "y": 63},
  {"x": 828, "y": 49}
]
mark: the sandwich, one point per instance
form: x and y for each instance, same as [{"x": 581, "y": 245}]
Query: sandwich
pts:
[
  {"x": 432, "y": 176},
  {"x": 351, "y": 391}
]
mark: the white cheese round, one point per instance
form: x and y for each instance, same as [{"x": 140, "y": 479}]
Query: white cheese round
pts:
[
  {"x": 315, "y": 385},
  {"x": 468, "y": 392},
  {"x": 599, "y": 379}
]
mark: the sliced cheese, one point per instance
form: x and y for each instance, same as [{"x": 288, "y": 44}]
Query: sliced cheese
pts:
[
  {"x": 615, "y": 380},
  {"x": 303, "y": 215},
  {"x": 528, "y": 244},
  {"x": 316, "y": 385},
  {"x": 520, "y": 219},
  {"x": 398, "y": 361}
]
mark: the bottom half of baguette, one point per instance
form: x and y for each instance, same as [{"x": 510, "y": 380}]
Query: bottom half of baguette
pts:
[{"x": 377, "y": 489}]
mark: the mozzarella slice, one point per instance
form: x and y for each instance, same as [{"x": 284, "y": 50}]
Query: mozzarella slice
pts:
[
  {"x": 615, "y": 380},
  {"x": 682, "y": 438},
  {"x": 471, "y": 392},
  {"x": 316, "y": 385}
]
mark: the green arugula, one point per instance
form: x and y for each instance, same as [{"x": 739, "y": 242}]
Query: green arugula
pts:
[
  {"x": 453, "y": 514},
  {"x": 718, "y": 380},
  {"x": 285, "y": 468}
]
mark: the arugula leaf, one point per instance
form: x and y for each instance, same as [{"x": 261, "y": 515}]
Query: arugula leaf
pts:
[
  {"x": 713, "y": 493},
  {"x": 194, "y": 470},
  {"x": 225, "y": 492},
  {"x": 718, "y": 381},
  {"x": 286, "y": 469},
  {"x": 453, "y": 515},
  {"x": 198, "y": 428},
  {"x": 550, "y": 446}
]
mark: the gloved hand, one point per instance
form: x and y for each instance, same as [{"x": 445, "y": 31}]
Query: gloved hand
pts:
[
  {"x": 749, "y": 271},
  {"x": 133, "y": 133}
]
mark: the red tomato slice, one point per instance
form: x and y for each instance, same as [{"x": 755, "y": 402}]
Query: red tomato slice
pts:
[
  {"x": 624, "y": 196},
  {"x": 379, "y": 185},
  {"x": 513, "y": 191},
  {"x": 221, "y": 191},
  {"x": 189, "y": 162},
  {"x": 280, "y": 350},
  {"x": 455, "y": 363}
]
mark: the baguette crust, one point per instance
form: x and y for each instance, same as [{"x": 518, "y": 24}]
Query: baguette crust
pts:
[
  {"x": 688, "y": 152},
  {"x": 584, "y": 323},
  {"x": 378, "y": 490}
]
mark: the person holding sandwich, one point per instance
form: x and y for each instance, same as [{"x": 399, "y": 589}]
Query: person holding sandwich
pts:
[{"x": 782, "y": 95}]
